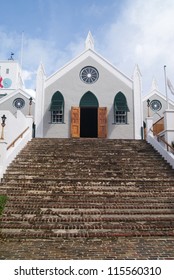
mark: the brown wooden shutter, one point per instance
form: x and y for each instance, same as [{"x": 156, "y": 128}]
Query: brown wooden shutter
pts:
[
  {"x": 102, "y": 122},
  {"x": 75, "y": 122}
]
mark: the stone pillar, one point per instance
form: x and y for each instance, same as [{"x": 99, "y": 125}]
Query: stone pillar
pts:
[
  {"x": 169, "y": 125},
  {"x": 149, "y": 124}
]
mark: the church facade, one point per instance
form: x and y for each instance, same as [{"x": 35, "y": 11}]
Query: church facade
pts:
[{"x": 88, "y": 98}]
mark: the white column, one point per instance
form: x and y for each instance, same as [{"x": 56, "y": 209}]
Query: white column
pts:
[
  {"x": 3, "y": 155},
  {"x": 39, "y": 104},
  {"x": 169, "y": 125},
  {"x": 149, "y": 124},
  {"x": 30, "y": 124},
  {"x": 137, "y": 90}
]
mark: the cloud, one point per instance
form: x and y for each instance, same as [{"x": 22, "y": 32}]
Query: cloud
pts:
[
  {"x": 138, "y": 32},
  {"x": 144, "y": 35},
  {"x": 9, "y": 42}
]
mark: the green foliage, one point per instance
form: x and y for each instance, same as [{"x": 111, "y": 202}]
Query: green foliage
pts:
[{"x": 3, "y": 200}]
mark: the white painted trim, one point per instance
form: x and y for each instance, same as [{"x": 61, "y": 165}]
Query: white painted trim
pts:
[
  {"x": 40, "y": 96},
  {"x": 153, "y": 92},
  {"x": 20, "y": 91},
  {"x": 137, "y": 93}
]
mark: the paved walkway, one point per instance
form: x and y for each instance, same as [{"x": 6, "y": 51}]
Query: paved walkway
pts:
[{"x": 111, "y": 248}]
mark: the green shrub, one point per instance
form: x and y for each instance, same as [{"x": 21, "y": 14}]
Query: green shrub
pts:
[{"x": 3, "y": 200}]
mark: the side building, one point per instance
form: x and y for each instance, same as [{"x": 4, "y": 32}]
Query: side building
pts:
[{"x": 13, "y": 94}]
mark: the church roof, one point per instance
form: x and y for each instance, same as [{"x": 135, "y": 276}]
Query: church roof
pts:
[
  {"x": 80, "y": 58},
  {"x": 17, "y": 91}
]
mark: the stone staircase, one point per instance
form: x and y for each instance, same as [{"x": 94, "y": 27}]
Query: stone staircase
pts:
[{"x": 88, "y": 188}]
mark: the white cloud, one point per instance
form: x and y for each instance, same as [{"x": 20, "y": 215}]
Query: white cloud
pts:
[
  {"x": 9, "y": 42},
  {"x": 144, "y": 35},
  {"x": 141, "y": 32},
  {"x": 37, "y": 50}
]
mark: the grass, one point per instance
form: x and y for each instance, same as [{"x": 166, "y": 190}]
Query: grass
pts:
[{"x": 3, "y": 200}]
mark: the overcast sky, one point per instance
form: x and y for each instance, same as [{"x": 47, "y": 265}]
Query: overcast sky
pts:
[{"x": 126, "y": 32}]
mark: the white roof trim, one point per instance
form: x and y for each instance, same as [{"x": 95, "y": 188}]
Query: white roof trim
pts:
[
  {"x": 10, "y": 95},
  {"x": 106, "y": 64},
  {"x": 159, "y": 94}
]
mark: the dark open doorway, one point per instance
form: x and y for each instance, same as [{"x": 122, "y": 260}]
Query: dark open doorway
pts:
[{"x": 89, "y": 122}]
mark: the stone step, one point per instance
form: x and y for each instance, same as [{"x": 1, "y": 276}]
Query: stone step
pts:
[
  {"x": 88, "y": 187},
  {"x": 85, "y": 189},
  {"x": 88, "y": 195},
  {"x": 17, "y": 206},
  {"x": 85, "y": 213},
  {"x": 116, "y": 226}
]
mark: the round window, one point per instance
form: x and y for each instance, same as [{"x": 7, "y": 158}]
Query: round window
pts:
[
  {"x": 155, "y": 105},
  {"x": 19, "y": 103},
  {"x": 89, "y": 75}
]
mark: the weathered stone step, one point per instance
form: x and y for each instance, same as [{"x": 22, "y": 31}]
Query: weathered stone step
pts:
[
  {"x": 120, "y": 184},
  {"x": 117, "y": 189},
  {"x": 109, "y": 234},
  {"x": 93, "y": 188},
  {"x": 90, "y": 196},
  {"x": 92, "y": 226},
  {"x": 114, "y": 158},
  {"x": 94, "y": 212},
  {"x": 17, "y": 208},
  {"x": 81, "y": 180},
  {"x": 69, "y": 220},
  {"x": 84, "y": 169},
  {"x": 86, "y": 205}
]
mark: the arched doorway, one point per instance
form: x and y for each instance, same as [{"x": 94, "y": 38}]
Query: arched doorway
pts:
[{"x": 89, "y": 115}]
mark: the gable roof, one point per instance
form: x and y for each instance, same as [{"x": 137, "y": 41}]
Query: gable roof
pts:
[
  {"x": 98, "y": 58},
  {"x": 157, "y": 92},
  {"x": 17, "y": 91}
]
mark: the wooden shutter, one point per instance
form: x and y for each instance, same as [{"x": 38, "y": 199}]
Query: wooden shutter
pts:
[
  {"x": 102, "y": 122},
  {"x": 75, "y": 122}
]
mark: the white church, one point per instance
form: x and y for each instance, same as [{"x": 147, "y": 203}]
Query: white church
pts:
[{"x": 87, "y": 98}]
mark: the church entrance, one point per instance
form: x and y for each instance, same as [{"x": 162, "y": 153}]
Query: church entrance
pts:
[{"x": 88, "y": 122}]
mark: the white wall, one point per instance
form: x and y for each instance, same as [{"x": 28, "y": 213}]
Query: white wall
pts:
[
  {"x": 14, "y": 125},
  {"x": 13, "y": 128}
]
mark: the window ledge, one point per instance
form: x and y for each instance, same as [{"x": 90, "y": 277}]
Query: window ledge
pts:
[
  {"x": 56, "y": 123},
  {"x": 120, "y": 123}
]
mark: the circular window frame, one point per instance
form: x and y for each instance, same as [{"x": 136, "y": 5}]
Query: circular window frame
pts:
[
  {"x": 158, "y": 105},
  {"x": 19, "y": 103},
  {"x": 89, "y": 75}
]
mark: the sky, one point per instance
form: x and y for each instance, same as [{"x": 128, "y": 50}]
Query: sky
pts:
[{"x": 126, "y": 32}]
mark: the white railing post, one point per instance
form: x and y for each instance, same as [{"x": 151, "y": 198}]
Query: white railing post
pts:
[
  {"x": 169, "y": 126},
  {"x": 149, "y": 124},
  {"x": 29, "y": 120},
  {"x": 3, "y": 156}
]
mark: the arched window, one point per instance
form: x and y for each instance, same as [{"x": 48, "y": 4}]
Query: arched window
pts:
[
  {"x": 57, "y": 108},
  {"x": 120, "y": 109}
]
